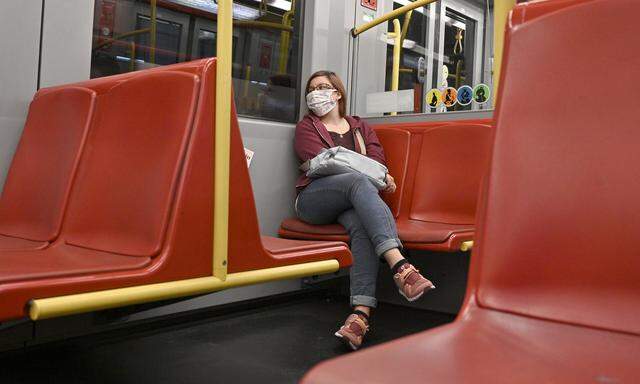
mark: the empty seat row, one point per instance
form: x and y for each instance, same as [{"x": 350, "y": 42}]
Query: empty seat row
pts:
[
  {"x": 438, "y": 168},
  {"x": 554, "y": 283},
  {"x": 112, "y": 186}
]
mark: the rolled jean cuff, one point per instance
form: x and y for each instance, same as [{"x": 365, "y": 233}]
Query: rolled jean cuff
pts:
[
  {"x": 367, "y": 301},
  {"x": 387, "y": 245}
]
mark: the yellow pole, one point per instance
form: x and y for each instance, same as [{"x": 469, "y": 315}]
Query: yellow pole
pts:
[
  {"x": 154, "y": 12},
  {"x": 285, "y": 38},
  {"x": 391, "y": 15},
  {"x": 405, "y": 25},
  {"x": 247, "y": 79},
  {"x": 132, "y": 56},
  {"x": 501, "y": 11},
  {"x": 261, "y": 24},
  {"x": 397, "y": 48},
  {"x": 222, "y": 139},
  {"x": 95, "y": 301},
  {"x": 466, "y": 246}
]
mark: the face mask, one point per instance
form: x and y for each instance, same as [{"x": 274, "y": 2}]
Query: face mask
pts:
[{"x": 320, "y": 101}]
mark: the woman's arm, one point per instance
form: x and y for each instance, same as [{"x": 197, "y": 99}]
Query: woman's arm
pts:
[
  {"x": 307, "y": 141},
  {"x": 374, "y": 148}
]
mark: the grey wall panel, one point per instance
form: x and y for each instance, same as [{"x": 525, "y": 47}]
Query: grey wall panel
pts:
[
  {"x": 273, "y": 170},
  {"x": 66, "y": 41},
  {"x": 20, "y": 45}
]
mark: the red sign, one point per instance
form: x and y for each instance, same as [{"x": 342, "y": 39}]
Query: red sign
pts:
[
  {"x": 265, "y": 55},
  {"x": 371, "y": 4},
  {"x": 106, "y": 19}
]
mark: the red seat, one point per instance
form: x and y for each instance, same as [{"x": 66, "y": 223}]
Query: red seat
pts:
[
  {"x": 120, "y": 204},
  {"x": 554, "y": 287},
  {"x": 141, "y": 207},
  {"x": 37, "y": 187},
  {"x": 437, "y": 169}
]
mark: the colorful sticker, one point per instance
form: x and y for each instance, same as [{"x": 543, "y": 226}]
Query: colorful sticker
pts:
[
  {"x": 481, "y": 93},
  {"x": 465, "y": 95},
  {"x": 434, "y": 97},
  {"x": 450, "y": 97},
  {"x": 445, "y": 77}
]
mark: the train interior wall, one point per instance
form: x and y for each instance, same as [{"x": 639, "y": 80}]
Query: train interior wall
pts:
[{"x": 55, "y": 48}]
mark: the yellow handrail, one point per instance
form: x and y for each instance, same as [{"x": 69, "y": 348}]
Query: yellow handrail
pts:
[
  {"x": 285, "y": 38},
  {"x": 405, "y": 25},
  {"x": 397, "y": 47},
  {"x": 391, "y": 15},
  {"x": 500, "y": 13},
  {"x": 261, "y": 24},
  {"x": 466, "y": 246},
  {"x": 109, "y": 40},
  {"x": 40, "y": 309},
  {"x": 153, "y": 30},
  {"x": 222, "y": 138}
]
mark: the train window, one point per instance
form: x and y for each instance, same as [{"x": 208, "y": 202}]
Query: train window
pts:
[
  {"x": 266, "y": 41},
  {"x": 167, "y": 40},
  {"x": 444, "y": 63}
]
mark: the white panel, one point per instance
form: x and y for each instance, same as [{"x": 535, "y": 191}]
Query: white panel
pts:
[
  {"x": 326, "y": 39},
  {"x": 19, "y": 44},
  {"x": 392, "y": 101},
  {"x": 66, "y": 41}
]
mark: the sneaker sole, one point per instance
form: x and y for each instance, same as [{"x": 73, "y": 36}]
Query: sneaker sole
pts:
[
  {"x": 346, "y": 341},
  {"x": 417, "y": 296}
]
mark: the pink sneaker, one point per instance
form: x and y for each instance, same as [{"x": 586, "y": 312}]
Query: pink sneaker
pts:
[
  {"x": 411, "y": 284},
  {"x": 353, "y": 331}
]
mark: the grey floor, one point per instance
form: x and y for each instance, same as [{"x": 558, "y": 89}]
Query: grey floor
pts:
[{"x": 272, "y": 344}]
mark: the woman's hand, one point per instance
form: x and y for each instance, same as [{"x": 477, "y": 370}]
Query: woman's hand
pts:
[{"x": 391, "y": 184}]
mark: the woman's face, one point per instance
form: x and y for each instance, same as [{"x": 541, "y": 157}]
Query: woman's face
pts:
[{"x": 322, "y": 82}]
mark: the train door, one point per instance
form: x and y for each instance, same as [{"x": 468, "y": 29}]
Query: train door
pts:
[
  {"x": 459, "y": 51},
  {"x": 444, "y": 50}
]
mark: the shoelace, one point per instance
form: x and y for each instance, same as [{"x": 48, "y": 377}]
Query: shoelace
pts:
[
  {"x": 406, "y": 272},
  {"x": 358, "y": 321}
]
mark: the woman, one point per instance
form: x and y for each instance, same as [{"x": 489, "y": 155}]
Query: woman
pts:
[{"x": 351, "y": 200}]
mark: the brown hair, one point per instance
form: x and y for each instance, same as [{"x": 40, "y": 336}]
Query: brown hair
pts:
[{"x": 337, "y": 84}]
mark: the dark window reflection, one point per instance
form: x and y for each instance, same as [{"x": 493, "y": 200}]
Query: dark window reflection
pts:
[{"x": 265, "y": 84}]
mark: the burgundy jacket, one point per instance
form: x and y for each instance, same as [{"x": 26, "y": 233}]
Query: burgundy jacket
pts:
[{"x": 312, "y": 137}]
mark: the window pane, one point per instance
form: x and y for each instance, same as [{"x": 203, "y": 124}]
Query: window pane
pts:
[{"x": 265, "y": 57}]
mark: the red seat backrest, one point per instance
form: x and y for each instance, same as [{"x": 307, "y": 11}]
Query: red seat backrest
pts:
[
  {"x": 37, "y": 187},
  {"x": 127, "y": 177},
  {"x": 395, "y": 143},
  {"x": 559, "y": 240},
  {"x": 453, "y": 158}
]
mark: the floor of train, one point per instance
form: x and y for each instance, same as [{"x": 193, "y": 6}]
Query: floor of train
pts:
[{"x": 277, "y": 343}]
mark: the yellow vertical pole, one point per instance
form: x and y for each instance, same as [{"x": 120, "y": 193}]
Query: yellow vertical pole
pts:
[
  {"x": 405, "y": 25},
  {"x": 501, "y": 11},
  {"x": 132, "y": 56},
  {"x": 152, "y": 32},
  {"x": 285, "y": 39},
  {"x": 397, "y": 47},
  {"x": 247, "y": 79},
  {"x": 222, "y": 139}
]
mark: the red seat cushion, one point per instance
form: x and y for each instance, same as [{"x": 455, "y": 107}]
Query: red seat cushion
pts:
[
  {"x": 491, "y": 347},
  {"x": 297, "y": 225},
  {"x": 414, "y": 231},
  {"x": 60, "y": 261},
  {"x": 128, "y": 175},
  {"x": 283, "y": 249},
  {"x": 37, "y": 187}
]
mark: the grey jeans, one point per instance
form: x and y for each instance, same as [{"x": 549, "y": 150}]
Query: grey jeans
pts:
[{"x": 353, "y": 201}]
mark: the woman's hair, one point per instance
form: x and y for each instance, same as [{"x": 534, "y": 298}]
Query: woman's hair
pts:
[{"x": 337, "y": 84}]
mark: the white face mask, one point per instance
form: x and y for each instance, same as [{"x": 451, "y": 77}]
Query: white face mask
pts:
[{"x": 320, "y": 101}]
